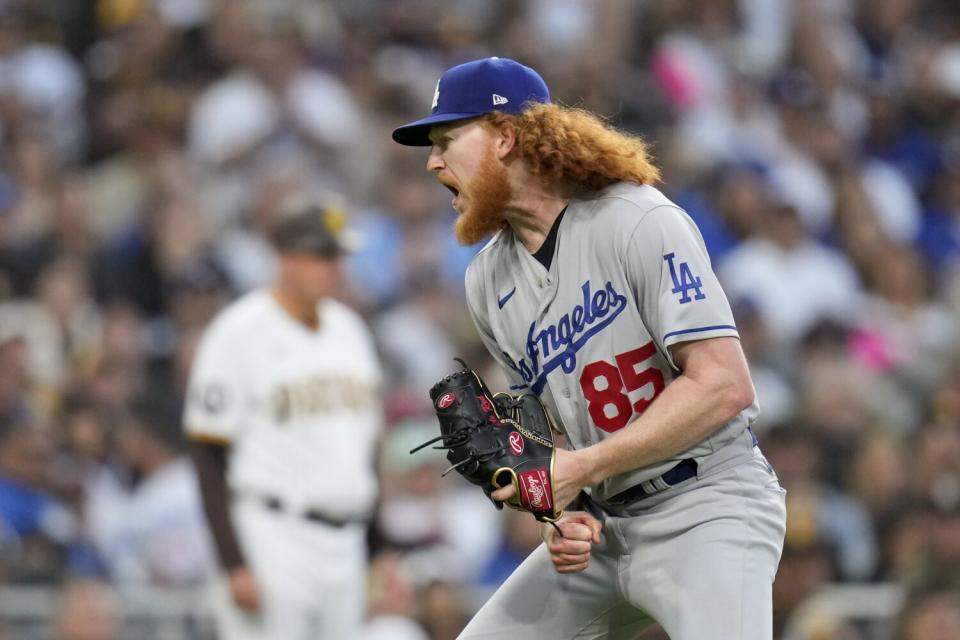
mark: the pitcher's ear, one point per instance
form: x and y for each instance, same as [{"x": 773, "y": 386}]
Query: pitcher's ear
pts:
[{"x": 506, "y": 140}]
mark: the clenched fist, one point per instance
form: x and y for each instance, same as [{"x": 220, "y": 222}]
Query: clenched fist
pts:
[{"x": 571, "y": 553}]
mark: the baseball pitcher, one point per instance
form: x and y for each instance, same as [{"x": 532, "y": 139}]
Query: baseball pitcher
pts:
[{"x": 596, "y": 295}]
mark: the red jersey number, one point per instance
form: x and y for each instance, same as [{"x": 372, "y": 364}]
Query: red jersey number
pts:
[{"x": 617, "y": 382}]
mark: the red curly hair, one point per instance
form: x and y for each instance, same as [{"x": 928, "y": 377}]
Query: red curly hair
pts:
[{"x": 571, "y": 145}]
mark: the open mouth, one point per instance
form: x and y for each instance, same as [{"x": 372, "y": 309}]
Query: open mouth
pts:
[{"x": 456, "y": 194}]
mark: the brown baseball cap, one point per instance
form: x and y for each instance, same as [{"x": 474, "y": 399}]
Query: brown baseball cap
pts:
[{"x": 319, "y": 230}]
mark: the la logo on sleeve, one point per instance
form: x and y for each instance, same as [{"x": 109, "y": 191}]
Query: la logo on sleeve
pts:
[{"x": 685, "y": 282}]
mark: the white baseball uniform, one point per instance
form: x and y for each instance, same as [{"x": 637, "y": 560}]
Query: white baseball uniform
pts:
[
  {"x": 300, "y": 410},
  {"x": 629, "y": 277}
]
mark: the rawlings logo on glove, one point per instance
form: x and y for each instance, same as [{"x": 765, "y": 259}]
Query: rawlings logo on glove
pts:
[{"x": 493, "y": 440}]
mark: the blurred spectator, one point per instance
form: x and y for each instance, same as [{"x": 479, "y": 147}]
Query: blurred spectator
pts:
[
  {"x": 144, "y": 263},
  {"x": 899, "y": 140},
  {"x": 820, "y": 513},
  {"x": 520, "y": 537},
  {"x": 838, "y": 395},
  {"x": 878, "y": 478},
  {"x": 271, "y": 104},
  {"x": 43, "y": 81},
  {"x": 936, "y": 476},
  {"x": 442, "y": 610},
  {"x": 244, "y": 250},
  {"x": 803, "y": 569},
  {"x": 390, "y": 602},
  {"x": 741, "y": 200},
  {"x": 124, "y": 338},
  {"x": 944, "y": 551},
  {"x": 857, "y": 230},
  {"x": 15, "y": 380},
  {"x": 410, "y": 236},
  {"x": 85, "y": 441},
  {"x": 147, "y": 523},
  {"x": 69, "y": 236},
  {"x": 940, "y": 237},
  {"x": 445, "y": 528},
  {"x": 36, "y": 176},
  {"x": 931, "y": 616},
  {"x": 813, "y": 623},
  {"x": 417, "y": 336},
  {"x": 770, "y": 370},
  {"x": 60, "y": 325},
  {"x": 196, "y": 293},
  {"x": 39, "y": 533},
  {"x": 88, "y": 611},
  {"x": 906, "y": 543},
  {"x": 794, "y": 280},
  {"x": 901, "y": 329}
]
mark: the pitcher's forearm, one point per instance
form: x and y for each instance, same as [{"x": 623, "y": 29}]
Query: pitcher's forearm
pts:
[{"x": 684, "y": 414}]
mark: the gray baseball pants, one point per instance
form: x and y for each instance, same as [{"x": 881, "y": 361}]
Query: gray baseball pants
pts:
[{"x": 699, "y": 558}]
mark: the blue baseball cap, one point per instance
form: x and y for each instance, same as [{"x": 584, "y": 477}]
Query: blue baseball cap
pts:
[{"x": 473, "y": 89}]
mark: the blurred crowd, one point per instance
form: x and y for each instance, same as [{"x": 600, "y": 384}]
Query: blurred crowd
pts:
[{"x": 146, "y": 144}]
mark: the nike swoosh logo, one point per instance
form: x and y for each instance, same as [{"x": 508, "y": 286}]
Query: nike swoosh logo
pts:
[{"x": 502, "y": 301}]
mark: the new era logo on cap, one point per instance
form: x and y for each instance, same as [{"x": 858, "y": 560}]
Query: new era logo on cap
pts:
[{"x": 473, "y": 89}]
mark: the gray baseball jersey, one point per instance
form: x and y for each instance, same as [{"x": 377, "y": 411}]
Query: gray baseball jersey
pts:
[{"x": 590, "y": 335}]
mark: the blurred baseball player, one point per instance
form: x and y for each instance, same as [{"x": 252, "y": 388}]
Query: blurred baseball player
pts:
[
  {"x": 596, "y": 293},
  {"x": 283, "y": 414}
]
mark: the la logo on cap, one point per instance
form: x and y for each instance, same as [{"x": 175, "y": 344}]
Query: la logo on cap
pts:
[
  {"x": 436, "y": 96},
  {"x": 498, "y": 100}
]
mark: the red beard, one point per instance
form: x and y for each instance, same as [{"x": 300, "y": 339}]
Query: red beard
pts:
[{"x": 487, "y": 196}]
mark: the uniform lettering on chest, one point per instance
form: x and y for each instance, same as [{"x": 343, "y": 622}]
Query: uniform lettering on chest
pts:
[
  {"x": 556, "y": 344},
  {"x": 320, "y": 395}
]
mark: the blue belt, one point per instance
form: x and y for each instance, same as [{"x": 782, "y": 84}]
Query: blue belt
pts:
[{"x": 684, "y": 470}]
